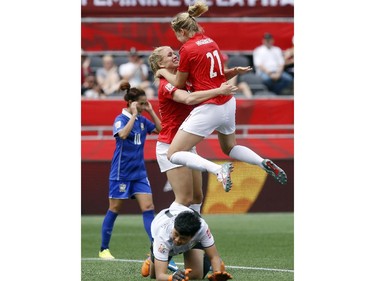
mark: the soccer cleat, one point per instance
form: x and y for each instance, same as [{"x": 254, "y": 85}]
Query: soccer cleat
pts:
[
  {"x": 223, "y": 176},
  {"x": 172, "y": 266},
  {"x": 145, "y": 270},
  {"x": 106, "y": 255},
  {"x": 275, "y": 171}
]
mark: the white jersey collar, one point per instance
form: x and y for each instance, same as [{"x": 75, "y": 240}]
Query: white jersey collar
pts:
[{"x": 126, "y": 113}]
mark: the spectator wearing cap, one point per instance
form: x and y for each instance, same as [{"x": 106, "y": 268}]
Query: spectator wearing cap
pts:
[
  {"x": 136, "y": 73},
  {"x": 269, "y": 65}
]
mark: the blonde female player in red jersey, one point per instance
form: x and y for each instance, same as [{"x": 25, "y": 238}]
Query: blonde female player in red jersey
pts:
[
  {"x": 201, "y": 63},
  {"x": 174, "y": 106}
]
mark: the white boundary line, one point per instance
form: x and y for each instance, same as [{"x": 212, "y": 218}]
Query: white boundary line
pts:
[{"x": 228, "y": 266}]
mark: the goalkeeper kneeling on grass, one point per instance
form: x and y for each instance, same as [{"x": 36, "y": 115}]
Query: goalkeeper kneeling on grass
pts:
[{"x": 181, "y": 230}]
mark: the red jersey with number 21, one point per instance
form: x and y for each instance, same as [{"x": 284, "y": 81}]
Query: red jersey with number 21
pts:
[{"x": 201, "y": 57}]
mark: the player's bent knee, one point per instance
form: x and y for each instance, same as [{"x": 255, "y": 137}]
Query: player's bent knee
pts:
[
  {"x": 197, "y": 199},
  {"x": 115, "y": 208},
  {"x": 169, "y": 155},
  {"x": 146, "y": 208}
]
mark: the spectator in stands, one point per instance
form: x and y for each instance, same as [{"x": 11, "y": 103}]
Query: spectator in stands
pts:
[
  {"x": 269, "y": 65},
  {"x": 136, "y": 73},
  {"x": 243, "y": 87},
  {"x": 90, "y": 88},
  {"x": 107, "y": 76},
  {"x": 85, "y": 67},
  {"x": 289, "y": 59}
]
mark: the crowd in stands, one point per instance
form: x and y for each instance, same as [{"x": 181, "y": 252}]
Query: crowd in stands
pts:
[
  {"x": 272, "y": 74},
  {"x": 101, "y": 79}
]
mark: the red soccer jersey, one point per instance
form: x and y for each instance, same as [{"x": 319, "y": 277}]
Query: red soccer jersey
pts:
[
  {"x": 201, "y": 57},
  {"x": 172, "y": 113}
]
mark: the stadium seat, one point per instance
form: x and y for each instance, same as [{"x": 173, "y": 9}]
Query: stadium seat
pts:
[
  {"x": 254, "y": 81},
  {"x": 95, "y": 62},
  {"x": 237, "y": 60}
]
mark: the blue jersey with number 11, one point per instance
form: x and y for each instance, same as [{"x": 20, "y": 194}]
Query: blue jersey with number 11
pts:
[{"x": 128, "y": 158}]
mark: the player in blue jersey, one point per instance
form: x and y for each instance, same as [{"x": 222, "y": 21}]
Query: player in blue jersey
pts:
[{"x": 128, "y": 175}]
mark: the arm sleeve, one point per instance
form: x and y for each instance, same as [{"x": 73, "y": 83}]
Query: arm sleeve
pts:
[
  {"x": 126, "y": 69},
  {"x": 167, "y": 89},
  {"x": 184, "y": 60},
  {"x": 144, "y": 70},
  {"x": 207, "y": 239},
  {"x": 280, "y": 57},
  {"x": 160, "y": 250},
  {"x": 256, "y": 57},
  {"x": 117, "y": 126},
  {"x": 150, "y": 126}
]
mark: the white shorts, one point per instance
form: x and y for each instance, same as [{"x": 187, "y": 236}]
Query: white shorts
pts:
[
  {"x": 206, "y": 118},
  {"x": 161, "y": 156}
]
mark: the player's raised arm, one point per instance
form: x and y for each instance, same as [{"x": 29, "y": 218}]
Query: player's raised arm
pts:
[{"x": 230, "y": 73}]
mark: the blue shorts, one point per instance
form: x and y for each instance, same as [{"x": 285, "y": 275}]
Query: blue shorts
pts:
[{"x": 127, "y": 189}]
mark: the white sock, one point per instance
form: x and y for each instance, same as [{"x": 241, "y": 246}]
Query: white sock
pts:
[
  {"x": 194, "y": 161},
  {"x": 196, "y": 207},
  {"x": 245, "y": 154},
  {"x": 175, "y": 208}
]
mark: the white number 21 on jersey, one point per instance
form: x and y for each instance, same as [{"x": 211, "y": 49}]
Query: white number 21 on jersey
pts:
[{"x": 212, "y": 56}]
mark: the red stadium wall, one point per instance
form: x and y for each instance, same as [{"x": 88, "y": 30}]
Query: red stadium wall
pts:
[
  {"x": 253, "y": 190},
  {"x": 232, "y": 36}
]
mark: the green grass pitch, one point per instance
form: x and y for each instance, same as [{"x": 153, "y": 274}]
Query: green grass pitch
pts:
[{"x": 253, "y": 246}]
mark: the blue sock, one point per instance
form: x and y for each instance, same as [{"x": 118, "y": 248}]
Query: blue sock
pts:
[
  {"x": 148, "y": 216},
  {"x": 108, "y": 222}
]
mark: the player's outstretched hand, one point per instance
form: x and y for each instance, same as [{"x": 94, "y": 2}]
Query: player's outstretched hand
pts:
[
  {"x": 180, "y": 275},
  {"x": 219, "y": 276},
  {"x": 243, "y": 69}
]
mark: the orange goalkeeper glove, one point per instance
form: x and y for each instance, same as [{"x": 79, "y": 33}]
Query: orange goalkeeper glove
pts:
[
  {"x": 219, "y": 276},
  {"x": 180, "y": 275}
]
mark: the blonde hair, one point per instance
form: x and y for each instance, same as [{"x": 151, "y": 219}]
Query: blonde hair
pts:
[
  {"x": 155, "y": 58},
  {"x": 186, "y": 20}
]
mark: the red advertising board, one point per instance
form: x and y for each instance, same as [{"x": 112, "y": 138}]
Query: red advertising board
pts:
[
  {"x": 230, "y": 36},
  {"x": 169, "y": 8}
]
